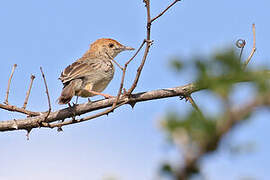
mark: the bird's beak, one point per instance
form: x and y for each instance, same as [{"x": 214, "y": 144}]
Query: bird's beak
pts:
[{"x": 127, "y": 48}]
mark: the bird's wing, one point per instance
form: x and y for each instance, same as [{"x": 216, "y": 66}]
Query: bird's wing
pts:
[{"x": 79, "y": 69}]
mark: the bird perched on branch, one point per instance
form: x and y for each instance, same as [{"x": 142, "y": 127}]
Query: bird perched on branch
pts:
[{"x": 91, "y": 74}]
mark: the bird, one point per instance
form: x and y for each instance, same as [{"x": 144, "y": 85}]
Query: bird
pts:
[{"x": 91, "y": 74}]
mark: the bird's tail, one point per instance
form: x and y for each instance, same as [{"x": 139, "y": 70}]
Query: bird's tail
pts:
[{"x": 67, "y": 93}]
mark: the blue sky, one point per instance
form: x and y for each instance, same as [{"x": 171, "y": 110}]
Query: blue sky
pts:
[{"x": 127, "y": 144}]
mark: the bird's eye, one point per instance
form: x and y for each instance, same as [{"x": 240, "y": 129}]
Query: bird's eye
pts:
[{"x": 111, "y": 45}]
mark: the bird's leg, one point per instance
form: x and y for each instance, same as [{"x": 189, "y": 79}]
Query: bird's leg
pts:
[
  {"x": 107, "y": 96},
  {"x": 71, "y": 109}
]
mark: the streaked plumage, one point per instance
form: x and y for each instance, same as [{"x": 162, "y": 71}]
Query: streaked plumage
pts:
[{"x": 91, "y": 74}]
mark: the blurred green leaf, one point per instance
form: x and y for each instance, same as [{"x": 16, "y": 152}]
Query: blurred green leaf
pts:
[
  {"x": 166, "y": 168},
  {"x": 198, "y": 128},
  {"x": 218, "y": 73},
  {"x": 176, "y": 64}
]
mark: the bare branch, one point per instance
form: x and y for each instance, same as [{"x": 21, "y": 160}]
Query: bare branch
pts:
[
  {"x": 106, "y": 112},
  {"x": 20, "y": 110},
  {"x": 121, "y": 87},
  {"x": 28, "y": 92},
  {"x": 253, "y": 48},
  {"x": 37, "y": 121},
  {"x": 117, "y": 64},
  {"x": 116, "y": 103},
  {"x": 34, "y": 122},
  {"x": 9, "y": 80},
  {"x": 148, "y": 44},
  {"x": 114, "y": 61},
  {"x": 164, "y": 10},
  {"x": 136, "y": 53},
  {"x": 48, "y": 95},
  {"x": 124, "y": 74}
]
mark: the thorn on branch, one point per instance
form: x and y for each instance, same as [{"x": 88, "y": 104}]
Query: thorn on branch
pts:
[
  {"x": 148, "y": 26},
  {"x": 181, "y": 97},
  {"x": 145, "y": 2},
  {"x": 9, "y": 80},
  {"x": 59, "y": 129},
  {"x": 132, "y": 104},
  {"x": 150, "y": 42},
  {"x": 28, "y": 92},
  {"x": 28, "y": 133}
]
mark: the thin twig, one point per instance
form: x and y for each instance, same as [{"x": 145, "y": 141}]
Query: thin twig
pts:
[
  {"x": 164, "y": 10},
  {"x": 253, "y": 48},
  {"x": 241, "y": 52},
  {"x": 48, "y": 96},
  {"x": 124, "y": 74},
  {"x": 120, "y": 88},
  {"x": 136, "y": 53},
  {"x": 148, "y": 44},
  {"x": 9, "y": 80},
  {"x": 20, "y": 110},
  {"x": 194, "y": 105},
  {"x": 28, "y": 92},
  {"x": 117, "y": 64},
  {"x": 240, "y": 43},
  {"x": 111, "y": 58}
]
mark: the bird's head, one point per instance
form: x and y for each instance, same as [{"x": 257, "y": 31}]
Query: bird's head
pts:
[{"x": 108, "y": 48}]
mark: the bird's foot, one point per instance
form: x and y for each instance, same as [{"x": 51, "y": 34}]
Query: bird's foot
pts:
[
  {"x": 107, "y": 96},
  {"x": 72, "y": 111}
]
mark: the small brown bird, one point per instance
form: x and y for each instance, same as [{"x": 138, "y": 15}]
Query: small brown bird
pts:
[{"x": 91, "y": 74}]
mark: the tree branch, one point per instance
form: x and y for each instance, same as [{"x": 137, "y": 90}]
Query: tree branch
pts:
[
  {"x": 28, "y": 92},
  {"x": 148, "y": 44},
  {"x": 20, "y": 110},
  {"x": 126, "y": 98},
  {"x": 34, "y": 122},
  {"x": 236, "y": 116},
  {"x": 48, "y": 95},
  {"x": 253, "y": 48},
  {"x": 9, "y": 80},
  {"x": 155, "y": 18}
]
